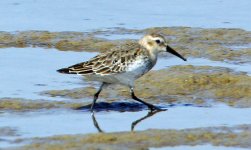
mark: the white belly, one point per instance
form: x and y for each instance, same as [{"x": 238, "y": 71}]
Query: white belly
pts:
[
  {"x": 139, "y": 68},
  {"x": 133, "y": 72}
]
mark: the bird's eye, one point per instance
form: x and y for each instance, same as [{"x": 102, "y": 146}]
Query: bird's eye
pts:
[{"x": 158, "y": 41}]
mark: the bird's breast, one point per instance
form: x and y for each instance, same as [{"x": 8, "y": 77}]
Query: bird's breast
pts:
[{"x": 139, "y": 67}]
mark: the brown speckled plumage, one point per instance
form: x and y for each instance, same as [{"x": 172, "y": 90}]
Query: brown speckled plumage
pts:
[{"x": 111, "y": 62}]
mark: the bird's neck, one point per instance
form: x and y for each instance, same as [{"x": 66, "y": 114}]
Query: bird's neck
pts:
[{"x": 153, "y": 55}]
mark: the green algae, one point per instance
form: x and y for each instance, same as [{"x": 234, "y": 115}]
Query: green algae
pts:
[
  {"x": 179, "y": 84},
  {"x": 90, "y": 44},
  {"x": 19, "y": 105},
  {"x": 191, "y": 42},
  {"x": 218, "y": 136},
  {"x": 75, "y": 41},
  {"x": 77, "y": 93}
]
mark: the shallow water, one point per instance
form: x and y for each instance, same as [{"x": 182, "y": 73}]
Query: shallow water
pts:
[
  {"x": 163, "y": 63},
  {"x": 120, "y": 36},
  {"x": 58, "y": 122},
  {"x": 36, "y": 69},
  {"x": 78, "y": 15},
  {"x": 239, "y": 47}
]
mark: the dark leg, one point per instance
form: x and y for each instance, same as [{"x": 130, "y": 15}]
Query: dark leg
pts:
[
  {"x": 96, "y": 123},
  {"x": 96, "y": 96},
  {"x": 150, "y": 106}
]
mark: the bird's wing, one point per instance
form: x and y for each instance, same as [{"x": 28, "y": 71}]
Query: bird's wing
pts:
[{"x": 114, "y": 61}]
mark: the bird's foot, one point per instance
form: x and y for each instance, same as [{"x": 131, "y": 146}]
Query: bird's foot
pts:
[{"x": 155, "y": 108}]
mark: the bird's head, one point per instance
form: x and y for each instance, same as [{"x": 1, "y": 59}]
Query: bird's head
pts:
[{"x": 156, "y": 43}]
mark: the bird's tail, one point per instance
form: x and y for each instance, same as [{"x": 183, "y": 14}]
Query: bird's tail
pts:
[
  {"x": 81, "y": 69},
  {"x": 66, "y": 71}
]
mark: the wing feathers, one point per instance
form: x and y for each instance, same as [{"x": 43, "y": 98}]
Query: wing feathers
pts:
[{"x": 111, "y": 62}]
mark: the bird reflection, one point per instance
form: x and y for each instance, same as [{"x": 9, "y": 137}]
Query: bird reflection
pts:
[
  {"x": 134, "y": 123},
  {"x": 96, "y": 123},
  {"x": 148, "y": 115}
]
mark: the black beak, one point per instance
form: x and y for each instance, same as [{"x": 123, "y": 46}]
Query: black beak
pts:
[{"x": 172, "y": 51}]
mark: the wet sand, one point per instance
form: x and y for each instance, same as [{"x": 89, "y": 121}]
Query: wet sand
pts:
[{"x": 218, "y": 136}]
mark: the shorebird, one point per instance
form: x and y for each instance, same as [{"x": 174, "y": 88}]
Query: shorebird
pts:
[{"x": 123, "y": 64}]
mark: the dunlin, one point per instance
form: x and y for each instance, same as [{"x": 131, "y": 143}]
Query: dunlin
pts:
[{"x": 123, "y": 64}]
